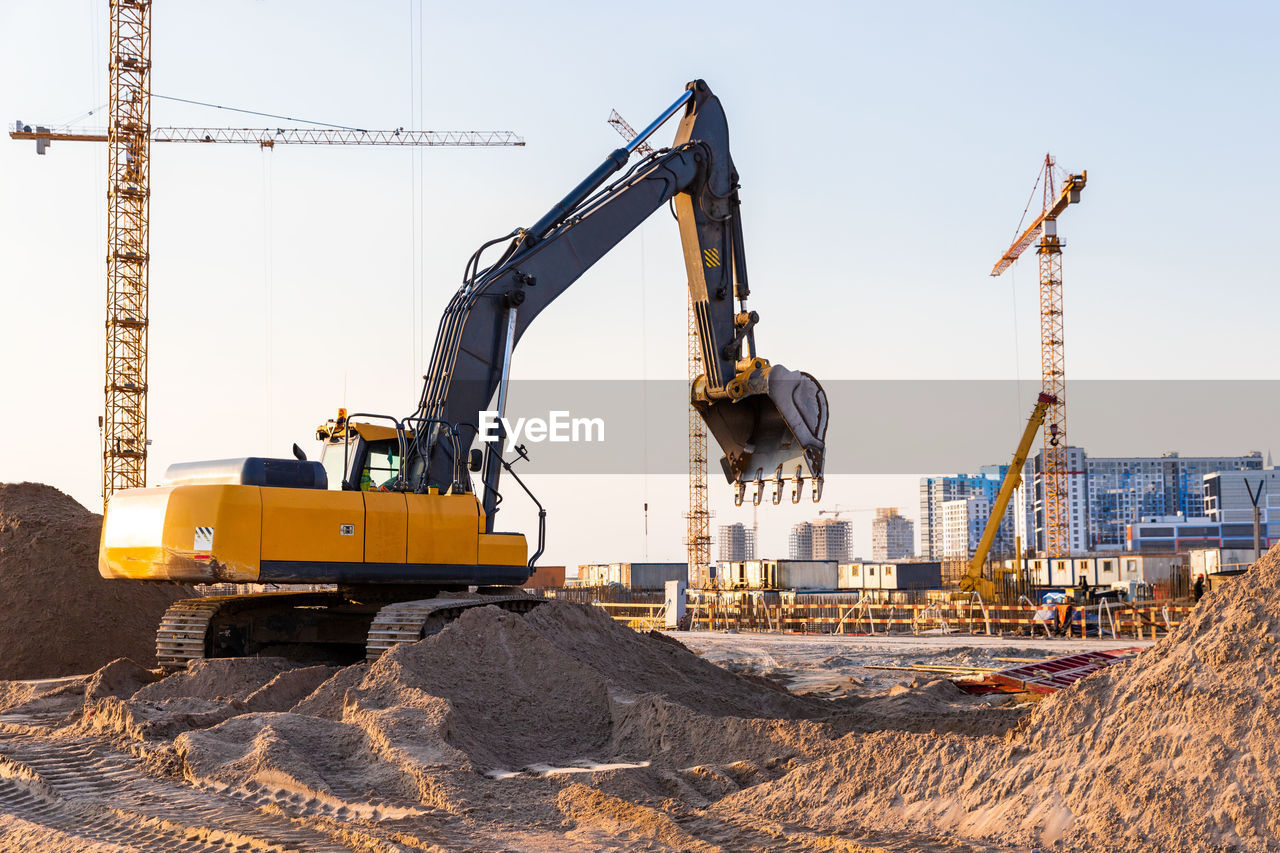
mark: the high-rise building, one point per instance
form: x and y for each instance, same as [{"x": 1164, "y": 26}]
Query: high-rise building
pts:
[
  {"x": 964, "y": 521},
  {"x": 1107, "y": 494},
  {"x": 824, "y": 539},
  {"x": 1120, "y": 491},
  {"x": 1126, "y": 489},
  {"x": 1031, "y": 526},
  {"x": 833, "y": 540},
  {"x": 1226, "y": 495},
  {"x": 1184, "y": 477},
  {"x": 892, "y": 535},
  {"x": 737, "y": 542},
  {"x": 800, "y": 542},
  {"x": 935, "y": 491}
]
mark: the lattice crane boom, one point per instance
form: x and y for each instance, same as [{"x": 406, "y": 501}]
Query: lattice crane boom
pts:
[
  {"x": 1070, "y": 194},
  {"x": 269, "y": 137},
  {"x": 1052, "y": 359},
  {"x": 129, "y": 135},
  {"x": 627, "y": 132}
]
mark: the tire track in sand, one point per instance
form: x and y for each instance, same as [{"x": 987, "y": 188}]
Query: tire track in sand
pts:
[{"x": 85, "y": 789}]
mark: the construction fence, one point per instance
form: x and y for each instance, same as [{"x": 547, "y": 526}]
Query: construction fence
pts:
[{"x": 835, "y": 613}]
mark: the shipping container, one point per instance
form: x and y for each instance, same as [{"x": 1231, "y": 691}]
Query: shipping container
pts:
[
  {"x": 923, "y": 575},
  {"x": 654, "y": 576},
  {"x": 912, "y": 575},
  {"x": 637, "y": 576},
  {"x": 858, "y": 576},
  {"x": 790, "y": 574},
  {"x": 545, "y": 577}
]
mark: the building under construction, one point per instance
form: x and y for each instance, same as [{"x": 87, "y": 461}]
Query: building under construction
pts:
[{"x": 821, "y": 539}]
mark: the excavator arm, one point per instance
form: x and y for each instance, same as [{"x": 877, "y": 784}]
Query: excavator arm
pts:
[{"x": 769, "y": 421}]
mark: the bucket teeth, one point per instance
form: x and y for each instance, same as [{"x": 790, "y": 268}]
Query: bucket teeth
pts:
[{"x": 779, "y": 423}]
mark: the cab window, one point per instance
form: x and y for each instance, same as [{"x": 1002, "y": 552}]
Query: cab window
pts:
[
  {"x": 382, "y": 465},
  {"x": 333, "y": 460}
]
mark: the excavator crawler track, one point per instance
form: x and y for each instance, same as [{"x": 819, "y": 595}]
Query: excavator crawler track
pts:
[
  {"x": 187, "y": 629},
  {"x": 196, "y": 628},
  {"x": 180, "y": 637},
  {"x": 411, "y": 621}
]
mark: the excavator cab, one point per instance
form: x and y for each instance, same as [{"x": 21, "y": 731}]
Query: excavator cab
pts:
[{"x": 363, "y": 456}]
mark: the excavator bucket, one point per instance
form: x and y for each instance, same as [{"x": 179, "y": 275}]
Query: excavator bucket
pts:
[{"x": 773, "y": 430}]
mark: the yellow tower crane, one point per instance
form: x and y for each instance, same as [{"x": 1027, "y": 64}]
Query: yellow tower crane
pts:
[
  {"x": 1052, "y": 374},
  {"x": 129, "y": 136}
]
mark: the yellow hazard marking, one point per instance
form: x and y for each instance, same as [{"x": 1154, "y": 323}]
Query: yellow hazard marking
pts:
[{"x": 711, "y": 257}]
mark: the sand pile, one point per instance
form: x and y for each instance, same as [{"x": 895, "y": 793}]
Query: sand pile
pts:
[
  {"x": 60, "y": 616},
  {"x": 500, "y": 694},
  {"x": 1176, "y": 750}
]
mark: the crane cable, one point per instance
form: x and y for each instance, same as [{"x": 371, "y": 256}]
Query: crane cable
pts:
[
  {"x": 644, "y": 391},
  {"x": 255, "y": 112},
  {"x": 1017, "y": 232},
  {"x": 1017, "y": 347},
  {"x": 415, "y": 225},
  {"x": 267, "y": 265}
]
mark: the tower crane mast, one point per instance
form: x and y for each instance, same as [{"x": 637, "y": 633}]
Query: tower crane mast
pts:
[
  {"x": 124, "y": 425},
  {"x": 129, "y": 135},
  {"x": 1052, "y": 363}
]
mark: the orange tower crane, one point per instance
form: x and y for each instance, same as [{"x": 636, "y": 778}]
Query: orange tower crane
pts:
[
  {"x": 1052, "y": 373},
  {"x": 129, "y": 136}
]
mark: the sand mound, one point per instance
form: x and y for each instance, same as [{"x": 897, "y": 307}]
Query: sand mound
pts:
[
  {"x": 216, "y": 678},
  {"x": 1176, "y": 750},
  {"x": 639, "y": 663},
  {"x": 61, "y": 616},
  {"x": 560, "y": 685},
  {"x": 120, "y": 678},
  {"x": 494, "y": 695},
  {"x": 496, "y": 701},
  {"x": 512, "y": 697},
  {"x": 604, "y": 819},
  {"x": 294, "y": 753}
]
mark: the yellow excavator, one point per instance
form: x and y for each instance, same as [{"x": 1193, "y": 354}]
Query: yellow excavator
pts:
[
  {"x": 974, "y": 579},
  {"x": 371, "y": 537}
]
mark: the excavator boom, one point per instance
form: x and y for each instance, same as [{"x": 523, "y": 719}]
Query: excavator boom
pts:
[{"x": 769, "y": 421}]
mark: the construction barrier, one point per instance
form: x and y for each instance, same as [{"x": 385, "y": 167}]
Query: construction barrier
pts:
[
  {"x": 641, "y": 617},
  {"x": 854, "y": 615}
]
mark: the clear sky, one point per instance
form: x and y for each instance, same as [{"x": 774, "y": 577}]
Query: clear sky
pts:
[{"x": 886, "y": 152}]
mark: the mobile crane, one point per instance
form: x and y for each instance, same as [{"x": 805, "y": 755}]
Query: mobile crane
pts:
[
  {"x": 389, "y": 519},
  {"x": 973, "y": 579}
]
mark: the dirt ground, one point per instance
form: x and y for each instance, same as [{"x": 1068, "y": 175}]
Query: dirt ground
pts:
[
  {"x": 559, "y": 730},
  {"x": 836, "y": 665},
  {"x": 562, "y": 730}
]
